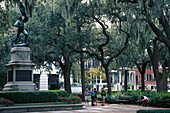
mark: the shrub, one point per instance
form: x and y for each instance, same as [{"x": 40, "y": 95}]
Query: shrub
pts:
[
  {"x": 77, "y": 94},
  {"x": 33, "y": 96},
  {"x": 111, "y": 99},
  {"x": 154, "y": 111},
  {"x": 61, "y": 93},
  {"x": 132, "y": 96},
  {"x": 74, "y": 84},
  {"x": 160, "y": 100},
  {"x": 99, "y": 98},
  {"x": 155, "y": 99},
  {"x": 89, "y": 86},
  {"x": 70, "y": 100}
]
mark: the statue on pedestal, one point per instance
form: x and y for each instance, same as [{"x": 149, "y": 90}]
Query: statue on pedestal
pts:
[
  {"x": 20, "y": 24},
  {"x": 20, "y": 68}
]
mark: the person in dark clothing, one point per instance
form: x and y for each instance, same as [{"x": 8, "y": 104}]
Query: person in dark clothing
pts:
[
  {"x": 103, "y": 96},
  {"x": 92, "y": 96},
  {"x": 95, "y": 98}
]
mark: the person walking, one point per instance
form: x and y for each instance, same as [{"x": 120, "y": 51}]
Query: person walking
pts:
[
  {"x": 92, "y": 96},
  {"x": 95, "y": 98},
  {"x": 103, "y": 97},
  {"x": 86, "y": 94}
]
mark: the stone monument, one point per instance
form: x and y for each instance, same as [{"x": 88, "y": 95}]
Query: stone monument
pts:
[
  {"x": 20, "y": 68},
  {"x": 20, "y": 74}
]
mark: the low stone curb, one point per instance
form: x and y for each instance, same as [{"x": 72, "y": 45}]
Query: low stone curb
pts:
[{"x": 18, "y": 109}]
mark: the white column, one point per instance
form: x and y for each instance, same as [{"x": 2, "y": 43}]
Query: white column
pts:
[{"x": 120, "y": 80}]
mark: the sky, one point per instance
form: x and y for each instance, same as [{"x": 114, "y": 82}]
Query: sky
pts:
[{"x": 2, "y": 4}]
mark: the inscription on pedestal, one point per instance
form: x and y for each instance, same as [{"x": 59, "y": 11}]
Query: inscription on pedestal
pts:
[
  {"x": 23, "y": 75},
  {"x": 10, "y": 75}
]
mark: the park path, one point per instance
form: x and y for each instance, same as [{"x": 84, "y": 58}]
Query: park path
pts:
[{"x": 108, "y": 108}]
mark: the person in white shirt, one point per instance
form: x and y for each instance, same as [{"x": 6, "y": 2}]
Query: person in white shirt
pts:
[
  {"x": 144, "y": 100},
  {"x": 86, "y": 94}
]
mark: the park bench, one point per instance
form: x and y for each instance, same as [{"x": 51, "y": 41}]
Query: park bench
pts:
[{"x": 125, "y": 99}]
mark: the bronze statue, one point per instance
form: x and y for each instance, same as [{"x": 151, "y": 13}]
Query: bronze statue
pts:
[{"x": 20, "y": 23}]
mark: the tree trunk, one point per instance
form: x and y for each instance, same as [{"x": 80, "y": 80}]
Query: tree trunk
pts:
[
  {"x": 67, "y": 84},
  {"x": 125, "y": 80},
  {"x": 165, "y": 64},
  {"x": 66, "y": 67},
  {"x": 143, "y": 82},
  {"x": 108, "y": 80},
  {"x": 142, "y": 72},
  {"x": 160, "y": 79},
  {"x": 82, "y": 75}
]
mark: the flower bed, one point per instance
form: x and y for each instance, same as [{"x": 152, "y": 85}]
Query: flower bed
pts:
[
  {"x": 6, "y": 102},
  {"x": 70, "y": 100}
]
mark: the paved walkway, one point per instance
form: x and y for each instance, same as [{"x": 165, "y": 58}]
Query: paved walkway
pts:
[{"x": 108, "y": 108}]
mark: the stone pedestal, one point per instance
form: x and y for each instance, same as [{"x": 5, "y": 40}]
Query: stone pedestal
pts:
[
  {"x": 20, "y": 70},
  {"x": 44, "y": 81}
]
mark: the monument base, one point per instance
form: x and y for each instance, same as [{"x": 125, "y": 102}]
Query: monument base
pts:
[
  {"x": 20, "y": 75},
  {"x": 19, "y": 86}
]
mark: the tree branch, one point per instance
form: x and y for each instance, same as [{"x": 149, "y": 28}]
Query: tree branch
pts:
[
  {"x": 90, "y": 54},
  {"x": 126, "y": 42},
  {"x": 104, "y": 31},
  {"x": 163, "y": 21},
  {"x": 161, "y": 37},
  {"x": 140, "y": 70}
]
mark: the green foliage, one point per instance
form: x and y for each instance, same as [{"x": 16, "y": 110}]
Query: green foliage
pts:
[
  {"x": 74, "y": 84},
  {"x": 160, "y": 100},
  {"x": 61, "y": 85},
  {"x": 14, "y": 88},
  {"x": 4, "y": 22},
  {"x": 111, "y": 99},
  {"x": 154, "y": 111},
  {"x": 61, "y": 93},
  {"x": 89, "y": 86},
  {"x": 147, "y": 93},
  {"x": 33, "y": 96},
  {"x": 77, "y": 94},
  {"x": 130, "y": 97}
]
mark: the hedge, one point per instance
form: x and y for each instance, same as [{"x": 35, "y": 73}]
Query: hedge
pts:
[
  {"x": 160, "y": 100},
  {"x": 33, "y": 96},
  {"x": 155, "y": 99},
  {"x": 154, "y": 111},
  {"x": 77, "y": 94}
]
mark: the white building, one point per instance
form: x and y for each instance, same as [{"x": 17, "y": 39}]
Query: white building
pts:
[{"x": 47, "y": 78}]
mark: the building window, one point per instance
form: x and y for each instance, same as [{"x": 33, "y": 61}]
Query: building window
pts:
[
  {"x": 137, "y": 79},
  {"x": 151, "y": 77},
  {"x": 152, "y": 87},
  {"x": 147, "y": 77},
  {"x": 53, "y": 81},
  {"x": 37, "y": 80},
  {"x": 122, "y": 79},
  {"x": 98, "y": 79}
]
